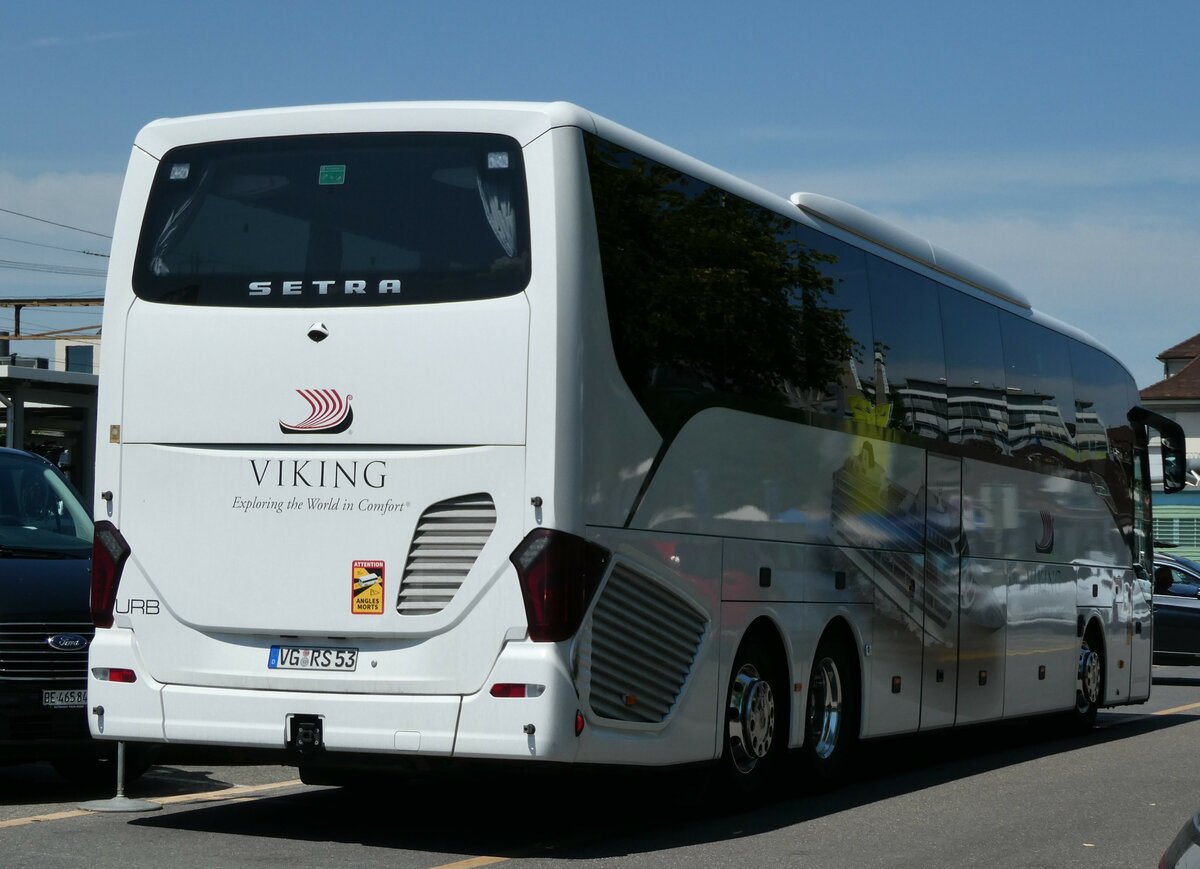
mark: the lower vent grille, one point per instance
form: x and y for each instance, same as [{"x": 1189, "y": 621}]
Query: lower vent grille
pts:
[
  {"x": 643, "y": 642},
  {"x": 449, "y": 537}
]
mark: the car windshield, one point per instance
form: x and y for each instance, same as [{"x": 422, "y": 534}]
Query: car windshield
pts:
[{"x": 40, "y": 514}]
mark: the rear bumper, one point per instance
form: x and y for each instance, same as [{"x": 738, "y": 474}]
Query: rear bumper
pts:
[{"x": 471, "y": 726}]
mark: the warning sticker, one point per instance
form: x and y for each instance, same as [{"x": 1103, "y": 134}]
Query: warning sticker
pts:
[{"x": 366, "y": 588}]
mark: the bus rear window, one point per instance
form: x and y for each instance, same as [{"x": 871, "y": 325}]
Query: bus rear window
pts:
[{"x": 336, "y": 220}]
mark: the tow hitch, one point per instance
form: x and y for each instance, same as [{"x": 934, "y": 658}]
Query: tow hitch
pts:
[{"x": 304, "y": 734}]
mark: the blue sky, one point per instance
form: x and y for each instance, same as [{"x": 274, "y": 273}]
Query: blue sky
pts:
[{"x": 1053, "y": 143}]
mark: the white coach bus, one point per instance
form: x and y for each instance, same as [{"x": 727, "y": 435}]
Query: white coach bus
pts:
[{"x": 435, "y": 432}]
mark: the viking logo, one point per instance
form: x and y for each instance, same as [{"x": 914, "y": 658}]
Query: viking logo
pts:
[{"x": 330, "y": 413}]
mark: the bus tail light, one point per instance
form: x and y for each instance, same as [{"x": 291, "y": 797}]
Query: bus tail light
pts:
[
  {"x": 109, "y": 552},
  {"x": 517, "y": 689},
  {"x": 559, "y": 574},
  {"x": 114, "y": 674}
]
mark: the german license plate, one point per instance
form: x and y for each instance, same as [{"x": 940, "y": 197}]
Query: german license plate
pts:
[
  {"x": 65, "y": 698},
  {"x": 310, "y": 658}
]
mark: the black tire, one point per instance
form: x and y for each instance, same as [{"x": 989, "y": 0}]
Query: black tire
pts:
[
  {"x": 1089, "y": 683},
  {"x": 831, "y": 715},
  {"x": 756, "y": 720}
]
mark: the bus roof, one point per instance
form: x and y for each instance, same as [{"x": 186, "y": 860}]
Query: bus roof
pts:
[{"x": 526, "y": 121}]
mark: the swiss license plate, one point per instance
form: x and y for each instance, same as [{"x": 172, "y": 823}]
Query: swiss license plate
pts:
[
  {"x": 309, "y": 658},
  {"x": 65, "y": 698}
]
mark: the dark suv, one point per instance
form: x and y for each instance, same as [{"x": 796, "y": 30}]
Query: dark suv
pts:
[
  {"x": 1176, "y": 609},
  {"x": 45, "y": 619}
]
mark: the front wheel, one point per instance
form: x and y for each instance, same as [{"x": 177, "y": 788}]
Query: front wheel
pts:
[
  {"x": 1089, "y": 683},
  {"x": 831, "y": 713},
  {"x": 756, "y": 721}
]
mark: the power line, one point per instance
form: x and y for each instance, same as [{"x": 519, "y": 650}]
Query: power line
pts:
[
  {"x": 52, "y": 269},
  {"x": 69, "y": 298},
  {"x": 53, "y": 246},
  {"x": 53, "y": 223}
]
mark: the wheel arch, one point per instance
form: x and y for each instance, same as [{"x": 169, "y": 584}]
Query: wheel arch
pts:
[{"x": 765, "y": 630}]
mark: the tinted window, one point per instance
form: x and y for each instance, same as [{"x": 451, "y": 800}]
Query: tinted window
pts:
[
  {"x": 837, "y": 322},
  {"x": 364, "y": 219},
  {"x": 976, "y": 402},
  {"x": 711, "y": 298},
  {"x": 79, "y": 358},
  {"x": 1104, "y": 395},
  {"x": 910, "y": 372},
  {"x": 1041, "y": 404}
]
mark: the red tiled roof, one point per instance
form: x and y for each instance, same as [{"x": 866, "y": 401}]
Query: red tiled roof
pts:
[
  {"x": 1184, "y": 385},
  {"x": 1189, "y": 349}
]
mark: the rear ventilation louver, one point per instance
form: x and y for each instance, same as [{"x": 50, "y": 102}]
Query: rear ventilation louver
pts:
[
  {"x": 448, "y": 539},
  {"x": 643, "y": 642}
]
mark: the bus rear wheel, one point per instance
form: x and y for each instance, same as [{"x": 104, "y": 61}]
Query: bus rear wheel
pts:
[
  {"x": 831, "y": 712},
  {"x": 756, "y": 721}
]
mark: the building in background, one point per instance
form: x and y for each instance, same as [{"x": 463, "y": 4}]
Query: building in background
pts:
[
  {"x": 48, "y": 405},
  {"x": 1177, "y": 395}
]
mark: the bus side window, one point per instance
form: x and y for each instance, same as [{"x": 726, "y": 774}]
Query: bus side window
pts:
[
  {"x": 977, "y": 407},
  {"x": 910, "y": 368},
  {"x": 1041, "y": 401},
  {"x": 836, "y": 323}
]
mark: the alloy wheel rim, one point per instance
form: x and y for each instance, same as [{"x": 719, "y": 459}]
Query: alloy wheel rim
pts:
[
  {"x": 1089, "y": 678},
  {"x": 825, "y": 708},
  {"x": 751, "y": 719}
]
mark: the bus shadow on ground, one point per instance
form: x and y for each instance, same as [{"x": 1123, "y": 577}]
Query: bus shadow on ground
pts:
[
  {"x": 588, "y": 814},
  {"x": 29, "y": 784}
]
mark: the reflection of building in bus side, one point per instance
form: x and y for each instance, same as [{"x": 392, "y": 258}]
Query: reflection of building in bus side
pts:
[
  {"x": 924, "y": 408},
  {"x": 1091, "y": 436},
  {"x": 1034, "y": 423},
  {"x": 978, "y": 415}
]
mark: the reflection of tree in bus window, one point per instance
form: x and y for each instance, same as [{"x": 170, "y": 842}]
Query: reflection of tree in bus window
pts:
[{"x": 712, "y": 300}]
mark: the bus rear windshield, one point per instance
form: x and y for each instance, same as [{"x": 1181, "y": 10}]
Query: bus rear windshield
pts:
[{"x": 336, "y": 220}]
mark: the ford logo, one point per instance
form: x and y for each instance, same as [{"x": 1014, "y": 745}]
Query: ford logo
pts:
[{"x": 67, "y": 642}]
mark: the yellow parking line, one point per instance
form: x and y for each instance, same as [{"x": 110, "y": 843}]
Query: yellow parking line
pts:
[
  {"x": 1187, "y": 708},
  {"x": 472, "y": 862},
  {"x": 227, "y": 794},
  {"x": 237, "y": 794},
  {"x": 52, "y": 816}
]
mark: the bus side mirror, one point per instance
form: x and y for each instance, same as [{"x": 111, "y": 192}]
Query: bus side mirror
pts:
[
  {"x": 1174, "y": 461},
  {"x": 1171, "y": 439},
  {"x": 1173, "y": 469}
]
